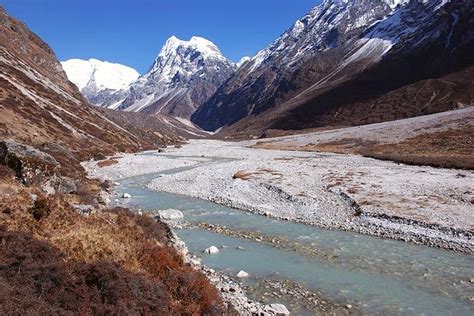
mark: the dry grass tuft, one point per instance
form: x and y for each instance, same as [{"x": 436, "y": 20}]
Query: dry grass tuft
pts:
[
  {"x": 106, "y": 163},
  {"x": 243, "y": 175},
  {"x": 247, "y": 175}
]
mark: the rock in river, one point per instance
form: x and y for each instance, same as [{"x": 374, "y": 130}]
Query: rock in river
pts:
[
  {"x": 211, "y": 250},
  {"x": 126, "y": 196},
  {"x": 279, "y": 309},
  {"x": 170, "y": 214},
  {"x": 242, "y": 274}
]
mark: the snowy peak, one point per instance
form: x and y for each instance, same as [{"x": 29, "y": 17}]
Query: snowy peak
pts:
[
  {"x": 97, "y": 75},
  {"x": 202, "y": 45},
  {"x": 182, "y": 77},
  {"x": 101, "y": 82},
  {"x": 192, "y": 49},
  {"x": 185, "y": 57}
]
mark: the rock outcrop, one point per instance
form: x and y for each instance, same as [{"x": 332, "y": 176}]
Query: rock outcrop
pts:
[{"x": 29, "y": 164}]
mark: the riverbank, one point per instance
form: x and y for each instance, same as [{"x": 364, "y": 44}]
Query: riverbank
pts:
[{"x": 422, "y": 205}]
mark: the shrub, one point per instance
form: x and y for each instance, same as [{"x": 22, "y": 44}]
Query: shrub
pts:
[
  {"x": 41, "y": 208},
  {"x": 114, "y": 262}
]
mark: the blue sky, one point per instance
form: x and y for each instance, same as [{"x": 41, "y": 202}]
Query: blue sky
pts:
[{"x": 132, "y": 32}]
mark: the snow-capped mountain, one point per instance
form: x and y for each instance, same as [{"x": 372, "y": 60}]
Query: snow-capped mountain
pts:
[
  {"x": 269, "y": 74},
  {"x": 335, "y": 42},
  {"x": 100, "y": 81},
  {"x": 183, "y": 76}
]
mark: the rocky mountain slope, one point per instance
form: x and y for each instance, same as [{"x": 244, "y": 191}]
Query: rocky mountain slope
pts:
[
  {"x": 351, "y": 57},
  {"x": 40, "y": 107},
  {"x": 184, "y": 75},
  {"x": 100, "y": 82}
]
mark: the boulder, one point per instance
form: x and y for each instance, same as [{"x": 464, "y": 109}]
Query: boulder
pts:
[
  {"x": 59, "y": 185},
  {"x": 242, "y": 274},
  {"x": 170, "y": 214},
  {"x": 211, "y": 250},
  {"x": 126, "y": 196},
  {"x": 28, "y": 163},
  {"x": 279, "y": 309},
  {"x": 58, "y": 149}
]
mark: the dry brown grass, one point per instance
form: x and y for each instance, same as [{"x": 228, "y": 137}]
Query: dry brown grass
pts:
[
  {"x": 247, "y": 175},
  {"x": 135, "y": 244},
  {"x": 453, "y": 148},
  {"x": 242, "y": 175},
  {"x": 107, "y": 163},
  {"x": 447, "y": 149}
]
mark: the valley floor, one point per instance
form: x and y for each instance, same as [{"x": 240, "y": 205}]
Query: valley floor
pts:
[{"x": 335, "y": 191}]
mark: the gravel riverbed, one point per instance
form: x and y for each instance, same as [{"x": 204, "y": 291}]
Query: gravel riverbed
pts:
[{"x": 417, "y": 204}]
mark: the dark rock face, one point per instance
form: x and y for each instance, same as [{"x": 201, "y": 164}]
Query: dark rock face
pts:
[
  {"x": 28, "y": 163},
  {"x": 353, "y": 70},
  {"x": 184, "y": 75}
]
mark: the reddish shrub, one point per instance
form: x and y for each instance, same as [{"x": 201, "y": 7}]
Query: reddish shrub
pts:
[
  {"x": 34, "y": 279},
  {"x": 191, "y": 290}
]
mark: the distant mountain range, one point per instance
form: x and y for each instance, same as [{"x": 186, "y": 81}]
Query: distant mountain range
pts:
[
  {"x": 346, "y": 62},
  {"x": 183, "y": 76},
  {"x": 99, "y": 80}
]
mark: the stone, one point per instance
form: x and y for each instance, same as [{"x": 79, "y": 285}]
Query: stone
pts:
[
  {"x": 195, "y": 262},
  {"x": 59, "y": 185},
  {"x": 242, "y": 274},
  {"x": 58, "y": 149},
  {"x": 170, "y": 214},
  {"x": 211, "y": 250},
  {"x": 348, "y": 306},
  {"x": 279, "y": 309},
  {"x": 126, "y": 196},
  {"x": 28, "y": 163}
]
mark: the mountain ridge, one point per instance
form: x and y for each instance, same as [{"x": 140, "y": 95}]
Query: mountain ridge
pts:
[{"x": 262, "y": 90}]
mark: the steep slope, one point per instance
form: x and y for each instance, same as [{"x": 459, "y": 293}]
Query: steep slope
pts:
[
  {"x": 184, "y": 75},
  {"x": 100, "y": 82},
  {"x": 427, "y": 69},
  {"x": 335, "y": 44},
  {"x": 40, "y": 106},
  {"x": 326, "y": 32}
]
